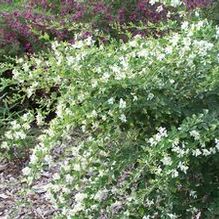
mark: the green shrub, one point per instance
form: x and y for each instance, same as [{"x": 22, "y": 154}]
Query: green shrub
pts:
[{"x": 145, "y": 117}]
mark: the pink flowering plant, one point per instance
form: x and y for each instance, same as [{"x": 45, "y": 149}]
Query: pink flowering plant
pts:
[{"x": 30, "y": 28}]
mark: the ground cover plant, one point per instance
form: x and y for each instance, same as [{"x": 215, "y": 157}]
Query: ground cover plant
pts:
[{"x": 121, "y": 130}]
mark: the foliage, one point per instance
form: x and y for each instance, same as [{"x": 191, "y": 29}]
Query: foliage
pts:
[{"x": 148, "y": 122}]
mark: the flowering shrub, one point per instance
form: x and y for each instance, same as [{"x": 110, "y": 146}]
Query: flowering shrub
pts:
[{"x": 137, "y": 123}]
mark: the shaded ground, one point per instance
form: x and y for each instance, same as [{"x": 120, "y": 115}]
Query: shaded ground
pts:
[
  {"x": 12, "y": 203},
  {"x": 35, "y": 205}
]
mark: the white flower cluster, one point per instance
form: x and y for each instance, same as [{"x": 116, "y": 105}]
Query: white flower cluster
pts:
[
  {"x": 17, "y": 132},
  {"x": 162, "y": 133}
]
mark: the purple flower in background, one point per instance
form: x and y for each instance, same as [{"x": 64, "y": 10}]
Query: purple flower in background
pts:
[
  {"x": 78, "y": 15},
  {"x": 6, "y": 1},
  {"x": 86, "y": 35},
  {"x": 121, "y": 14},
  {"x": 28, "y": 47},
  {"x": 192, "y": 4},
  {"x": 21, "y": 26},
  {"x": 100, "y": 8},
  {"x": 133, "y": 16}
]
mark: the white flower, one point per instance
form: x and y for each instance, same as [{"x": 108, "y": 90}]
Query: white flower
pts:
[
  {"x": 162, "y": 132},
  {"x": 89, "y": 41},
  {"x": 100, "y": 195},
  {"x": 172, "y": 216},
  {"x": 175, "y": 39},
  {"x": 38, "y": 61},
  {"x": 48, "y": 159},
  {"x": 143, "y": 53},
  {"x": 183, "y": 167},
  {"x": 146, "y": 217},
  {"x": 172, "y": 81},
  {"x": 196, "y": 152},
  {"x": 111, "y": 101},
  {"x": 20, "y": 135},
  {"x": 54, "y": 45},
  {"x": 4, "y": 145},
  {"x": 69, "y": 179},
  {"x": 26, "y": 126},
  {"x": 9, "y": 135},
  {"x": 83, "y": 128},
  {"x": 212, "y": 150},
  {"x": 59, "y": 110},
  {"x": 217, "y": 144},
  {"x": 25, "y": 117},
  {"x": 116, "y": 205},
  {"x": 166, "y": 161},
  {"x": 104, "y": 118},
  {"x": 101, "y": 173},
  {"x": 123, "y": 118},
  {"x": 159, "y": 9},
  {"x": 160, "y": 56},
  {"x": 193, "y": 194},
  {"x": 56, "y": 176},
  {"x": 33, "y": 158},
  {"x": 187, "y": 43},
  {"x": 179, "y": 151},
  {"x": 152, "y": 2},
  {"x": 79, "y": 197},
  {"x": 70, "y": 60},
  {"x": 15, "y": 125},
  {"x": 77, "y": 207},
  {"x": 150, "y": 96},
  {"x": 77, "y": 167},
  {"x": 116, "y": 69},
  {"x": 197, "y": 14},
  {"x": 39, "y": 119},
  {"x": 169, "y": 49},
  {"x": 94, "y": 83},
  {"x": 122, "y": 104},
  {"x": 149, "y": 203},
  {"x": 120, "y": 75},
  {"x": 106, "y": 76},
  {"x": 20, "y": 60},
  {"x": 175, "y": 173},
  {"x": 206, "y": 152},
  {"x": 29, "y": 91},
  {"x": 152, "y": 141},
  {"x": 16, "y": 73},
  {"x": 133, "y": 43},
  {"x": 26, "y": 67},
  {"x": 184, "y": 25},
  {"x": 195, "y": 134},
  {"x": 168, "y": 14},
  {"x": 94, "y": 113},
  {"x": 26, "y": 171},
  {"x": 200, "y": 24},
  {"x": 158, "y": 170},
  {"x": 135, "y": 98},
  {"x": 203, "y": 46},
  {"x": 175, "y": 3}
]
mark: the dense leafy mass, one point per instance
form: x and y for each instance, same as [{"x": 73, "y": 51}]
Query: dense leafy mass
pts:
[
  {"x": 138, "y": 123},
  {"x": 128, "y": 128}
]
